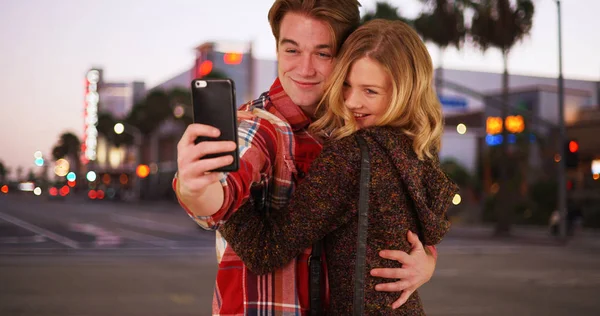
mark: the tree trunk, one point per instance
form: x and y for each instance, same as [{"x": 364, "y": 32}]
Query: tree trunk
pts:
[
  {"x": 439, "y": 74},
  {"x": 504, "y": 205}
]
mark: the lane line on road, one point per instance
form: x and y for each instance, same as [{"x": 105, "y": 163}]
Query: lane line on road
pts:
[
  {"x": 207, "y": 253},
  {"x": 40, "y": 231},
  {"x": 152, "y": 225},
  {"x": 148, "y": 239}
]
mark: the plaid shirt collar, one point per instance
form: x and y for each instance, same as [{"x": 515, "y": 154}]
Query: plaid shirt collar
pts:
[{"x": 291, "y": 112}]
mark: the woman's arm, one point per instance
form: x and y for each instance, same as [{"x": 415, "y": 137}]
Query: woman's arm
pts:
[{"x": 324, "y": 201}]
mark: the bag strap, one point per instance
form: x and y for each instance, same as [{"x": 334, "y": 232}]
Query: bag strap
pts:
[
  {"x": 314, "y": 266},
  {"x": 363, "y": 223}
]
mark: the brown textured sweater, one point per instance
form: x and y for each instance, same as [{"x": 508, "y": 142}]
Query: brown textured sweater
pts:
[{"x": 405, "y": 194}]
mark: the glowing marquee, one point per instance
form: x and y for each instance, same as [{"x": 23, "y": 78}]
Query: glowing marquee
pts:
[{"x": 90, "y": 137}]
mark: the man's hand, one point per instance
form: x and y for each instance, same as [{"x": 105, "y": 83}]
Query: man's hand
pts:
[
  {"x": 417, "y": 269},
  {"x": 194, "y": 181}
]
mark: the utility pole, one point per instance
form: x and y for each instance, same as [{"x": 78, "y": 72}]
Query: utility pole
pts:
[{"x": 562, "y": 181}]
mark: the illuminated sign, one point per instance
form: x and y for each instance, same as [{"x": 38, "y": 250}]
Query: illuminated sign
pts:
[
  {"x": 453, "y": 102},
  {"x": 233, "y": 58},
  {"x": 515, "y": 124},
  {"x": 493, "y": 125},
  {"x": 205, "y": 68},
  {"x": 596, "y": 166},
  {"x": 90, "y": 137}
]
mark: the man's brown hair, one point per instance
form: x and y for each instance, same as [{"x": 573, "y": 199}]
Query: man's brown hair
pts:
[{"x": 342, "y": 16}]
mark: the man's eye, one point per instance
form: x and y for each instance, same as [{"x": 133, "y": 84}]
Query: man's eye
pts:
[
  {"x": 291, "y": 51},
  {"x": 324, "y": 55}
]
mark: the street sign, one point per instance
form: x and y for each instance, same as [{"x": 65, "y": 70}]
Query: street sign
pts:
[{"x": 453, "y": 102}]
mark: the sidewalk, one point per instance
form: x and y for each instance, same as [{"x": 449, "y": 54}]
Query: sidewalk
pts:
[{"x": 526, "y": 235}]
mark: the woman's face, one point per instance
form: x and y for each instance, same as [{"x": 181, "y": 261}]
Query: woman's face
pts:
[{"x": 367, "y": 91}]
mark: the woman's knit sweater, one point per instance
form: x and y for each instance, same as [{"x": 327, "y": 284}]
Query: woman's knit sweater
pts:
[{"x": 405, "y": 194}]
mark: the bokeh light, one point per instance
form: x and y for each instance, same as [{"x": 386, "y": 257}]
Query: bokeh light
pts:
[
  {"x": 39, "y": 162},
  {"x": 123, "y": 179},
  {"x": 62, "y": 167},
  {"x": 4, "y": 189},
  {"x": 119, "y": 128},
  {"x": 178, "y": 111},
  {"x": 106, "y": 179},
  {"x": 461, "y": 128},
  {"x": 37, "y": 154},
  {"x": 71, "y": 176},
  {"x": 457, "y": 199},
  {"x": 153, "y": 168},
  {"x": 91, "y": 176},
  {"x": 37, "y": 191},
  {"x": 92, "y": 194},
  {"x": 142, "y": 171},
  {"x": 64, "y": 190}
]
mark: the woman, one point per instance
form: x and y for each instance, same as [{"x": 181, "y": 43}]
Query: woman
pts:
[{"x": 380, "y": 89}]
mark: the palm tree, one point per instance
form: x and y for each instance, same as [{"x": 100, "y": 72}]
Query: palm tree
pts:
[
  {"x": 444, "y": 25},
  {"x": 106, "y": 127},
  {"x": 19, "y": 173},
  {"x": 383, "y": 10},
  {"x": 150, "y": 112},
  {"x": 501, "y": 24},
  {"x": 3, "y": 172},
  {"x": 68, "y": 146},
  {"x": 31, "y": 176},
  {"x": 182, "y": 97}
]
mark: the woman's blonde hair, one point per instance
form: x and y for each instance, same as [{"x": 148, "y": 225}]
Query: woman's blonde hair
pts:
[{"x": 414, "y": 106}]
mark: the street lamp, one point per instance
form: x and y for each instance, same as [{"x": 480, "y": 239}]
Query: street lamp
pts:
[
  {"x": 562, "y": 184},
  {"x": 119, "y": 129}
]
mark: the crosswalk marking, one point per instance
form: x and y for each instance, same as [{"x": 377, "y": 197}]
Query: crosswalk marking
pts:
[{"x": 40, "y": 231}]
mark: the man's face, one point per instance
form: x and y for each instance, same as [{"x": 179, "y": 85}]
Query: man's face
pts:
[{"x": 305, "y": 59}]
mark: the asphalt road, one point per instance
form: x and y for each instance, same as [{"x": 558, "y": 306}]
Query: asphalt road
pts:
[{"x": 76, "y": 257}]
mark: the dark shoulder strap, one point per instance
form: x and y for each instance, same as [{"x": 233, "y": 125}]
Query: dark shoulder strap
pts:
[
  {"x": 363, "y": 223},
  {"x": 314, "y": 268}
]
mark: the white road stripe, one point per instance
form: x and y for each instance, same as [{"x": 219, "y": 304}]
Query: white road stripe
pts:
[
  {"x": 152, "y": 225},
  {"x": 148, "y": 239},
  {"x": 40, "y": 231}
]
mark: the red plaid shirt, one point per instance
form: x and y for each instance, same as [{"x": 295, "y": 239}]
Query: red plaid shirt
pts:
[{"x": 274, "y": 146}]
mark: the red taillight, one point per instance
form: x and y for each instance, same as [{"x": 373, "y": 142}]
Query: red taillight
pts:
[
  {"x": 64, "y": 191},
  {"x": 53, "y": 191},
  {"x": 92, "y": 194}
]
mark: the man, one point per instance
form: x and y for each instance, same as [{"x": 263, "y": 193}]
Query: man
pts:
[{"x": 276, "y": 149}]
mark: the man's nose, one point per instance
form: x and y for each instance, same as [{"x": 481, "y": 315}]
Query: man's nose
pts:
[{"x": 307, "y": 68}]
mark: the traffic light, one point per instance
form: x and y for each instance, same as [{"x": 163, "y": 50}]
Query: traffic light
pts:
[{"x": 572, "y": 154}]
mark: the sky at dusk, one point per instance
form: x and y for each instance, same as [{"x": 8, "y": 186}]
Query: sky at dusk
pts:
[{"x": 47, "y": 47}]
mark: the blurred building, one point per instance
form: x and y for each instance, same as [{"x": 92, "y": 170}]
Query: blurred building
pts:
[
  {"x": 234, "y": 60},
  {"x": 532, "y": 122},
  {"x": 472, "y": 97},
  {"x": 468, "y": 98},
  {"x": 228, "y": 59}
]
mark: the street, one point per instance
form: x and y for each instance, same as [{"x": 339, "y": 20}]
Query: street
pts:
[{"x": 78, "y": 257}]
